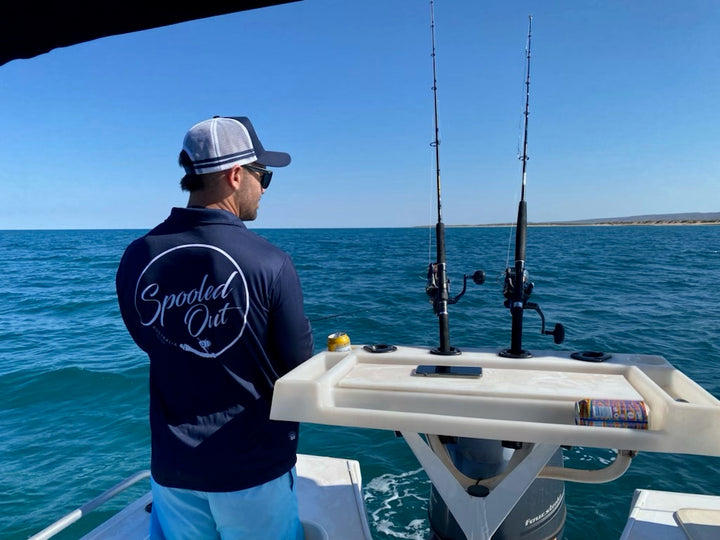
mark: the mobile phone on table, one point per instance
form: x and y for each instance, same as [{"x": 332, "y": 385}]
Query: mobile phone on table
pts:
[{"x": 432, "y": 370}]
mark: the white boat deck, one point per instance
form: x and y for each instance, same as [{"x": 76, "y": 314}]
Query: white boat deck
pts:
[
  {"x": 666, "y": 515},
  {"x": 528, "y": 399},
  {"x": 329, "y": 497},
  {"x": 132, "y": 523}
]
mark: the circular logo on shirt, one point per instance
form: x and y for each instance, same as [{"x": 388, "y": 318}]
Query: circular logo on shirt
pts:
[{"x": 194, "y": 297}]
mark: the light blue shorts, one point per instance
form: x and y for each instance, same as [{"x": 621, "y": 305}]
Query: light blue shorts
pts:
[{"x": 268, "y": 511}]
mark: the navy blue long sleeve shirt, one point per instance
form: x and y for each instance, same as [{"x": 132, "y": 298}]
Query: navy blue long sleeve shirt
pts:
[{"x": 219, "y": 311}]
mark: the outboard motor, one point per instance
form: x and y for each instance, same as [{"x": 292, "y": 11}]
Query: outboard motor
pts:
[{"x": 539, "y": 514}]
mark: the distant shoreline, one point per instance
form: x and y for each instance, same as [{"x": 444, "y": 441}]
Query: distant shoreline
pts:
[
  {"x": 678, "y": 218},
  {"x": 601, "y": 223}
]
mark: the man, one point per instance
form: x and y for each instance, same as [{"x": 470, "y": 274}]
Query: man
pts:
[{"x": 219, "y": 311}]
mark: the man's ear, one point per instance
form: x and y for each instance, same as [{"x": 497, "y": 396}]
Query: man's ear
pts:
[{"x": 235, "y": 177}]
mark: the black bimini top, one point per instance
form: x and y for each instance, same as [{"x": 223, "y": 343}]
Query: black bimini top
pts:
[{"x": 28, "y": 29}]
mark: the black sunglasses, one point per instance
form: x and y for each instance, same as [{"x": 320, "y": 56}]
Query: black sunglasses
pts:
[{"x": 265, "y": 175}]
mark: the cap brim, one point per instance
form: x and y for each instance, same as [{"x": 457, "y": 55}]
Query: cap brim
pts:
[{"x": 273, "y": 159}]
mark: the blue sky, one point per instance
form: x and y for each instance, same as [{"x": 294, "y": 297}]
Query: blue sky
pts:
[{"x": 624, "y": 113}]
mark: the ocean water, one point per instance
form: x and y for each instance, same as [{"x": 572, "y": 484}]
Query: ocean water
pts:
[{"x": 73, "y": 387}]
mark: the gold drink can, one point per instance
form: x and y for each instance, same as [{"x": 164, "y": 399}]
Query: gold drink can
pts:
[{"x": 338, "y": 342}]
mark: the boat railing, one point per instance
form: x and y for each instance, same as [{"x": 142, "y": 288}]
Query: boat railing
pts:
[{"x": 89, "y": 506}]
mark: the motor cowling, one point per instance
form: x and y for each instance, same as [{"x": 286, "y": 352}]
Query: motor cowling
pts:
[{"x": 539, "y": 514}]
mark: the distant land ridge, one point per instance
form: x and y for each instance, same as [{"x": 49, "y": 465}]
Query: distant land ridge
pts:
[{"x": 687, "y": 218}]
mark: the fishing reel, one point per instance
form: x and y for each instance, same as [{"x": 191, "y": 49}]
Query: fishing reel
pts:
[
  {"x": 511, "y": 283},
  {"x": 521, "y": 301},
  {"x": 432, "y": 286}
]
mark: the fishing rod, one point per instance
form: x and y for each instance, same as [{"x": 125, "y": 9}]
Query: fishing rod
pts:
[
  {"x": 438, "y": 285},
  {"x": 517, "y": 286}
]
